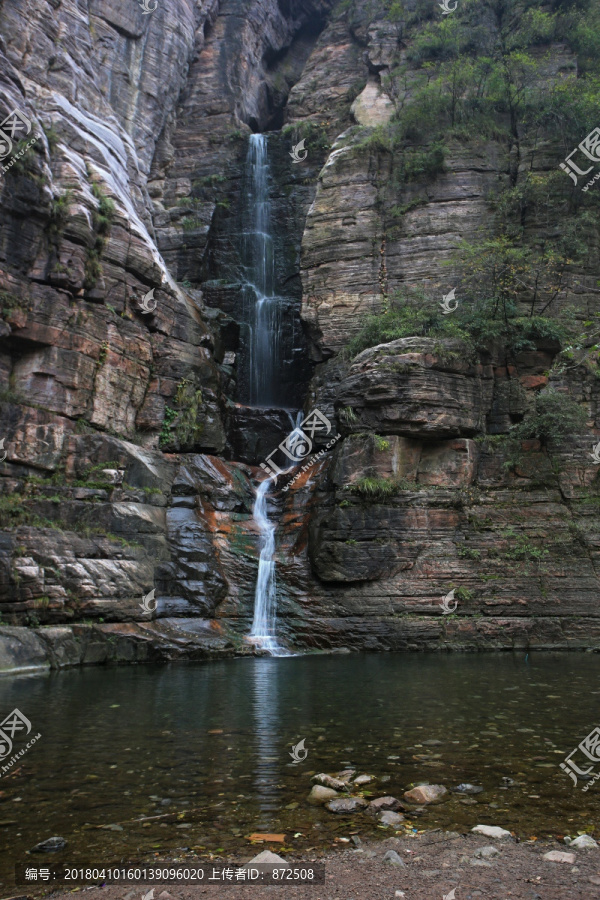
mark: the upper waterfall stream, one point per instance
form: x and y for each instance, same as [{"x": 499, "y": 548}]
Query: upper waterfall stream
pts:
[{"x": 265, "y": 311}]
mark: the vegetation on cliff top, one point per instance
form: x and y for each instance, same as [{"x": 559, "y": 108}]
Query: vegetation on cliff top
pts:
[{"x": 525, "y": 78}]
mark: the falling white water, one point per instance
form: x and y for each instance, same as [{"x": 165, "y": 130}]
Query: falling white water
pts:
[
  {"x": 265, "y": 595},
  {"x": 265, "y": 306}
]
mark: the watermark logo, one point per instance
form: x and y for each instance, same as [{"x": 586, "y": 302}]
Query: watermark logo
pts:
[
  {"x": 297, "y": 750},
  {"x": 445, "y": 604},
  {"x": 595, "y": 454},
  {"x": 297, "y": 150},
  {"x": 447, "y": 301},
  {"x": 590, "y": 147},
  {"x": 15, "y": 125},
  {"x": 3, "y": 451},
  {"x": 146, "y": 303},
  {"x": 146, "y": 604},
  {"x": 450, "y": 896},
  {"x": 446, "y": 8},
  {"x": 12, "y": 725},
  {"x": 298, "y": 444},
  {"x": 590, "y": 748},
  {"x": 15, "y": 122},
  {"x": 147, "y": 9},
  {"x": 149, "y": 895}
]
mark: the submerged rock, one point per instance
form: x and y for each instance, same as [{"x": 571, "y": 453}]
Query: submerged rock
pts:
[
  {"x": 50, "y": 845},
  {"x": 319, "y": 795},
  {"x": 390, "y": 818},
  {"x": 426, "y": 793},
  {"x": 492, "y": 831},
  {"x": 346, "y": 805},
  {"x": 468, "y": 789}
]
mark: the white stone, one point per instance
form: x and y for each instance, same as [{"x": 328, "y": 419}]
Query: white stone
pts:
[
  {"x": 268, "y": 858},
  {"x": 486, "y": 852},
  {"x": 491, "y": 831},
  {"x": 560, "y": 856},
  {"x": 363, "y": 779},
  {"x": 583, "y": 842}
]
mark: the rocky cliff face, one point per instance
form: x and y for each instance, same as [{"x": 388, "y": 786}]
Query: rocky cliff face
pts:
[{"x": 130, "y": 458}]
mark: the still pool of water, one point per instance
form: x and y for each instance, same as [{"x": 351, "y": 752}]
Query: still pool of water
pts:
[{"x": 200, "y": 753}]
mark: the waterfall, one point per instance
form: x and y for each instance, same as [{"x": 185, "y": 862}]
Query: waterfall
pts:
[
  {"x": 265, "y": 596},
  {"x": 265, "y": 368},
  {"x": 265, "y": 306}
]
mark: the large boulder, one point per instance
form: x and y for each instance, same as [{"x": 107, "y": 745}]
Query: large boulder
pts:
[{"x": 417, "y": 387}]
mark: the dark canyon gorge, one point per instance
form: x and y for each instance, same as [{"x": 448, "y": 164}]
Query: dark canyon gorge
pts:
[{"x": 354, "y": 207}]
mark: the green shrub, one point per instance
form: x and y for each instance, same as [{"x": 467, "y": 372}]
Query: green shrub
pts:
[
  {"x": 347, "y": 416},
  {"x": 102, "y": 218},
  {"x": 521, "y": 548},
  {"x": 373, "y": 488},
  {"x": 183, "y": 423},
  {"x": 555, "y": 416},
  {"x": 414, "y": 317}
]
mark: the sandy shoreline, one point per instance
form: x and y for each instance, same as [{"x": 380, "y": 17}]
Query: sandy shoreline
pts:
[{"x": 435, "y": 863}]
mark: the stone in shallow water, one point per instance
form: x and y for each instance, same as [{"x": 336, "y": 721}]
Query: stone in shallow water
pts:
[
  {"x": 426, "y": 793},
  {"x": 346, "y": 806},
  {"x": 336, "y": 784},
  {"x": 468, "y": 789},
  {"x": 320, "y": 795},
  {"x": 560, "y": 856},
  {"x": 50, "y": 845},
  {"x": 492, "y": 831},
  {"x": 390, "y": 818},
  {"x": 364, "y": 779},
  {"x": 384, "y": 803}
]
